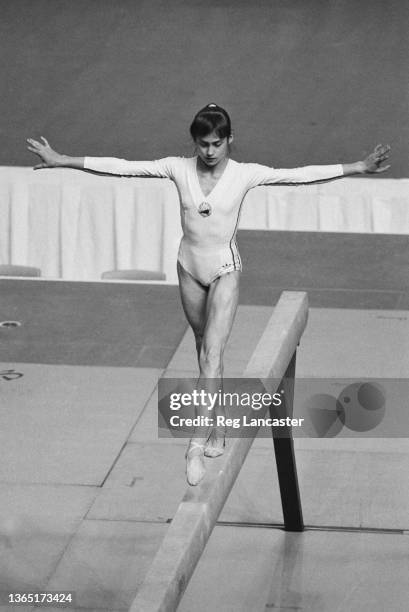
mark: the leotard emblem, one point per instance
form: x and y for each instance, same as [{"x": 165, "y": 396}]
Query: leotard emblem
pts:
[{"x": 205, "y": 209}]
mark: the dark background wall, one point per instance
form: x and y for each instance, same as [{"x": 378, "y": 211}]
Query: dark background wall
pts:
[{"x": 315, "y": 81}]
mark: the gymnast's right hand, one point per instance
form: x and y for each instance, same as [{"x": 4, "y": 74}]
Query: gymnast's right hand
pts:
[{"x": 49, "y": 157}]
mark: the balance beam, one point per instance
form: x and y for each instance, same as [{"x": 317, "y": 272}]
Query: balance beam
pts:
[{"x": 186, "y": 538}]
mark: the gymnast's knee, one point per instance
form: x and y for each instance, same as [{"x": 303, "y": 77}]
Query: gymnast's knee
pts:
[{"x": 210, "y": 361}]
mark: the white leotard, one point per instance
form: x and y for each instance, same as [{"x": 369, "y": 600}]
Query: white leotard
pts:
[{"x": 208, "y": 247}]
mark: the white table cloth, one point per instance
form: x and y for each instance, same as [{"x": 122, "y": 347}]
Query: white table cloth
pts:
[{"x": 75, "y": 225}]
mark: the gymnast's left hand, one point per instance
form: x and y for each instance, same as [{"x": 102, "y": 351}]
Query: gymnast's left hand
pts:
[{"x": 372, "y": 163}]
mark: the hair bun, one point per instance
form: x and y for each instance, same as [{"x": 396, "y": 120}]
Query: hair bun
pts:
[{"x": 211, "y": 118}]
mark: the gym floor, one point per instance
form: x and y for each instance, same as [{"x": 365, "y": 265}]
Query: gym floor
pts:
[{"x": 88, "y": 488}]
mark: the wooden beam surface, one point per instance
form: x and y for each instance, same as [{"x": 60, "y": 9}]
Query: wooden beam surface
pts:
[{"x": 200, "y": 507}]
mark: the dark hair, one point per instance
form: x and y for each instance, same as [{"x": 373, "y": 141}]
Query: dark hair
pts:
[{"x": 211, "y": 118}]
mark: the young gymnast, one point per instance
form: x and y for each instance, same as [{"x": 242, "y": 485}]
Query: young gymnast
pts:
[{"x": 211, "y": 188}]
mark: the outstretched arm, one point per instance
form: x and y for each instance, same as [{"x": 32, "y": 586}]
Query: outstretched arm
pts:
[
  {"x": 371, "y": 164},
  {"x": 160, "y": 168},
  {"x": 50, "y": 158},
  {"x": 263, "y": 175}
]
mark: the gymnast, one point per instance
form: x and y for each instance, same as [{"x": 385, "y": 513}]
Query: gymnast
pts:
[{"x": 211, "y": 188}]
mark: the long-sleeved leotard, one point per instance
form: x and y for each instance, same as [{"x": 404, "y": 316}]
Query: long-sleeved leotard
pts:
[{"x": 208, "y": 248}]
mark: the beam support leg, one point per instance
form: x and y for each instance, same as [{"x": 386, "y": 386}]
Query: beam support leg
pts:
[{"x": 285, "y": 458}]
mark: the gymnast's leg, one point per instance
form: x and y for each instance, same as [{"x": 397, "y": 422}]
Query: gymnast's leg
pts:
[
  {"x": 210, "y": 312},
  {"x": 221, "y": 308},
  {"x": 194, "y": 297}
]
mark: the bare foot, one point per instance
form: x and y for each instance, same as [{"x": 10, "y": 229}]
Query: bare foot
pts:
[
  {"x": 195, "y": 467},
  {"x": 215, "y": 442}
]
